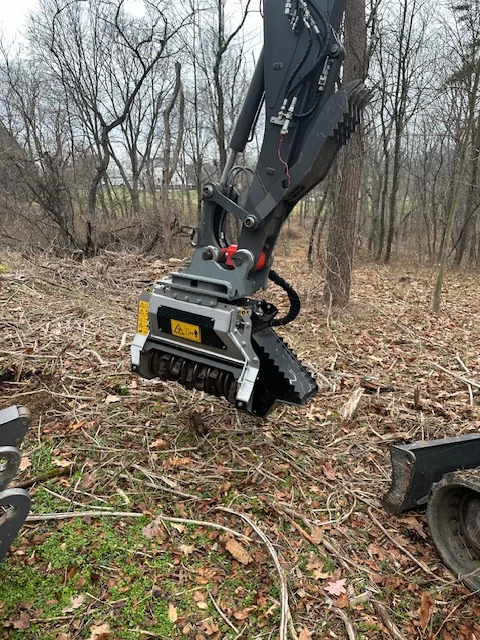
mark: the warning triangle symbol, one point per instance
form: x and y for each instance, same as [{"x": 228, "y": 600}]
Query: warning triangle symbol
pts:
[{"x": 178, "y": 331}]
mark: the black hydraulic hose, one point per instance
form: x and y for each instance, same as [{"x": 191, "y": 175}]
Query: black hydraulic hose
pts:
[
  {"x": 301, "y": 82},
  {"x": 324, "y": 45},
  {"x": 299, "y": 65},
  {"x": 315, "y": 104},
  {"x": 293, "y": 298}
]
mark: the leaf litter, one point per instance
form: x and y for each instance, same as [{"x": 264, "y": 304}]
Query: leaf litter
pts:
[{"x": 388, "y": 370}]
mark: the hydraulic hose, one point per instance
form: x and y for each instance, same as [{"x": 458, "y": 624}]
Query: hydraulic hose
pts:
[{"x": 293, "y": 298}]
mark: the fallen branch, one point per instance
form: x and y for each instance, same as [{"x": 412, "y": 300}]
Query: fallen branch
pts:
[
  {"x": 132, "y": 514},
  {"x": 58, "y": 472},
  {"x": 285, "y": 609},
  {"x": 466, "y": 381},
  {"x": 44, "y": 517}
]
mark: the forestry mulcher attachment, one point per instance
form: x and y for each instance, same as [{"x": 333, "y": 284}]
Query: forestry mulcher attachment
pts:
[
  {"x": 201, "y": 327},
  {"x": 14, "y": 503}
]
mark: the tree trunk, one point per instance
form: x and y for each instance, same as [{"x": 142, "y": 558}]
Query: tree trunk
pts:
[
  {"x": 470, "y": 205},
  {"x": 341, "y": 233}
]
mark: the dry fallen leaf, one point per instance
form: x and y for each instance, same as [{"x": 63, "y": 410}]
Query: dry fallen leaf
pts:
[
  {"x": 318, "y": 574},
  {"x": 304, "y": 634},
  {"x": 317, "y": 534},
  {"x": 75, "y": 603},
  {"x": 172, "y": 612},
  {"x": 342, "y": 601},
  {"x": 186, "y": 549},
  {"x": 238, "y": 551},
  {"x": 100, "y": 632},
  {"x": 112, "y": 399},
  {"x": 59, "y": 462},
  {"x": 24, "y": 463},
  {"x": 22, "y": 622},
  {"x": 241, "y": 615},
  {"x": 336, "y": 588},
  {"x": 329, "y": 471},
  {"x": 425, "y": 610}
]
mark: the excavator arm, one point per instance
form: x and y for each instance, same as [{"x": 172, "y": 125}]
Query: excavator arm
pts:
[{"x": 201, "y": 327}]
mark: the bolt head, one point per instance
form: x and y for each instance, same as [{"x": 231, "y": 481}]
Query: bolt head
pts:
[
  {"x": 208, "y": 191},
  {"x": 250, "y": 222}
]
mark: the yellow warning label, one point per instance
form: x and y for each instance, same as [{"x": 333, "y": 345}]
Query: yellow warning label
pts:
[
  {"x": 142, "y": 318},
  {"x": 185, "y": 330}
]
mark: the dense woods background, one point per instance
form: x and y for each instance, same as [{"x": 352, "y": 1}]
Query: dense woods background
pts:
[{"x": 109, "y": 124}]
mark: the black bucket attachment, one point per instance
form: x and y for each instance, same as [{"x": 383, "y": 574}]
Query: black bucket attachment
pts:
[{"x": 415, "y": 467}]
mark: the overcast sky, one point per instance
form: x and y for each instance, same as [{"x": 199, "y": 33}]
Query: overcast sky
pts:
[{"x": 13, "y": 14}]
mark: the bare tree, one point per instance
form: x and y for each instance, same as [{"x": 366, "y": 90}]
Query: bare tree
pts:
[
  {"x": 85, "y": 44},
  {"x": 340, "y": 242},
  {"x": 40, "y": 154}
]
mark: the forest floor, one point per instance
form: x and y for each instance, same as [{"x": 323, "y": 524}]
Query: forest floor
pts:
[{"x": 150, "y": 468}]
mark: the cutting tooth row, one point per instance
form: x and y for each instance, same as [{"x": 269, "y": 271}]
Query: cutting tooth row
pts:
[{"x": 193, "y": 375}]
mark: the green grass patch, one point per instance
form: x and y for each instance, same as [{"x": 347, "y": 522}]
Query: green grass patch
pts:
[{"x": 106, "y": 570}]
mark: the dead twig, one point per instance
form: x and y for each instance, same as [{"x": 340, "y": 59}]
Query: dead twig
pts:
[
  {"x": 222, "y": 615},
  {"x": 206, "y": 523},
  {"x": 285, "y": 609},
  {"x": 44, "y": 517},
  {"x": 419, "y": 563},
  {"x": 345, "y": 619},
  {"x": 382, "y": 613},
  {"x": 466, "y": 381},
  {"x": 467, "y": 370},
  {"x": 58, "y": 472},
  {"x": 159, "y": 487}
]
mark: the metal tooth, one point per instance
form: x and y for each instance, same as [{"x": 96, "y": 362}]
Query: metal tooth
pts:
[{"x": 194, "y": 375}]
